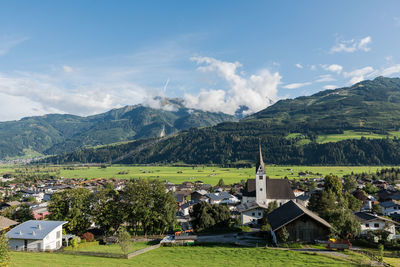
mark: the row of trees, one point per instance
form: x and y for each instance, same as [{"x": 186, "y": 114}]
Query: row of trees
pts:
[{"x": 143, "y": 206}]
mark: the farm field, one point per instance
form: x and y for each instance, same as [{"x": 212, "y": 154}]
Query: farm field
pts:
[
  {"x": 209, "y": 175},
  {"x": 185, "y": 256}
]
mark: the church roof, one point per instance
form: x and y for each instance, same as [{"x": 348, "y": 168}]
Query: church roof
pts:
[
  {"x": 289, "y": 212},
  {"x": 276, "y": 189}
]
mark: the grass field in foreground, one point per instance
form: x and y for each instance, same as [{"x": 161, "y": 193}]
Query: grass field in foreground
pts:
[
  {"x": 209, "y": 175},
  {"x": 392, "y": 261},
  {"x": 184, "y": 256},
  {"x": 114, "y": 248}
]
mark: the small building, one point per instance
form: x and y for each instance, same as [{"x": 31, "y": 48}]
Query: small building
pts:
[
  {"x": 302, "y": 224},
  {"x": 35, "y": 235},
  {"x": 371, "y": 222},
  {"x": 389, "y": 208},
  {"x": 251, "y": 213}
]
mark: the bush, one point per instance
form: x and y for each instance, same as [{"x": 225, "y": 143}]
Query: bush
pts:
[{"x": 89, "y": 237}]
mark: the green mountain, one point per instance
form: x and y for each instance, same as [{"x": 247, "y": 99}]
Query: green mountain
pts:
[
  {"x": 352, "y": 125},
  {"x": 58, "y": 133}
]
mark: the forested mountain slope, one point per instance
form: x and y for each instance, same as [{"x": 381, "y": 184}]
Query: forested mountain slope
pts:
[
  {"x": 364, "y": 108},
  {"x": 60, "y": 133}
]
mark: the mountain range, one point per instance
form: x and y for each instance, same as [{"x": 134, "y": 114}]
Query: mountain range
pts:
[
  {"x": 289, "y": 131},
  {"x": 61, "y": 133}
]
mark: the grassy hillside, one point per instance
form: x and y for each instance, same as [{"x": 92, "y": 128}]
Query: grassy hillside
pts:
[{"x": 186, "y": 256}]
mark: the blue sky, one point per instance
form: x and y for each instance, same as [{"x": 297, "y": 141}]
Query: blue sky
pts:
[{"x": 84, "y": 57}]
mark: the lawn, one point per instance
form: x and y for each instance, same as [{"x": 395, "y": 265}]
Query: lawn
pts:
[
  {"x": 114, "y": 248},
  {"x": 392, "y": 261},
  {"x": 209, "y": 175},
  {"x": 185, "y": 256},
  {"x": 325, "y": 138}
]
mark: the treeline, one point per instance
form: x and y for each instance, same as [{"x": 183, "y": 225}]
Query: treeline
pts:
[
  {"x": 209, "y": 146},
  {"x": 143, "y": 206}
]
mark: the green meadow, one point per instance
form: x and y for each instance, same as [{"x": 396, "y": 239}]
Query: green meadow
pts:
[
  {"x": 113, "y": 248},
  {"x": 349, "y": 134},
  {"x": 185, "y": 256},
  {"x": 209, "y": 175}
]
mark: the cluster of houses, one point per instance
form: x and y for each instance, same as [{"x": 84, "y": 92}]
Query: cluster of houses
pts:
[{"x": 250, "y": 201}]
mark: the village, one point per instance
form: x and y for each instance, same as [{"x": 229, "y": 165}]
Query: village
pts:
[{"x": 261, "y": 211}]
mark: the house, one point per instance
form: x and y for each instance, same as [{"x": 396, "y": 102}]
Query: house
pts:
[
  {"x": 198, "y": 194},
  {"x": 302, "y": 224},
  {"x": 6, "y": 223},
  {"x": 371, "y": 222},
  {"x": 389, "y": 208},
  {"x": 298, "y": 192},
  {"x": 221, "y": 198},
  {"x": 186, "y": 208},
  {"x": 36, "y": 236},
  {"x": 251, "y": 213},
  {"x": 264, "y": 190}
]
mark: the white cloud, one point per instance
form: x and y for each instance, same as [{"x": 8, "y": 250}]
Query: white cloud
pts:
[
  {"x": 350, "y": 46},
  {"x": 256, "y": 92},
  {"x": 298, "y": 65},
  {"x": 296, "y": 85},
  {"x": 330, "y": 87},
  {"x": 390, "y": 70},
  {"x": 68, "y": 69},
  {"x": 35, "y": 94},
  {"x": 333, "y": 68},
  {"x": 389, "y": 58},
  {"x": 359, "y": 75},
  {"x": 325, "y": 78},
  {"x": 7, "y": 43},
  {"x": 313, "y": 67}
]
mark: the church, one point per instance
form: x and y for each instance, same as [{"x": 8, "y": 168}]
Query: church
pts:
[{"x": 261, "y": 191}]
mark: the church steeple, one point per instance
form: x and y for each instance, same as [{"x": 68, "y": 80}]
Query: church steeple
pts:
[{"x": 260, "y": 164}]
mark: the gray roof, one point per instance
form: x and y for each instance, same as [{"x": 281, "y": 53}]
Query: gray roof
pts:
[
  {"x": 366, "y": 217},
  {"x": 388, "y": 204},
  {"x": 31, "y": 229},
  {"x": 289, "y": 212},
  {"x": 5, "y": 223}
]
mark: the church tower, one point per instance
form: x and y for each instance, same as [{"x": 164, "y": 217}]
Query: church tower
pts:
[{"x": 261, "y": 181}]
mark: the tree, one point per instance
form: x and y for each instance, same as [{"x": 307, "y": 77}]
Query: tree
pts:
[
  {"x": 221, "y": 183},
  {"x": 106, "y": 210},
  {"x": 344, "y": 223},
  {"x": 376, "y": 208},
  {"x": 21, "y": 214},
  {"x": 283, "y": 235},
  {"x": 333, "y": 183},
  {"x": 380, "y": 252},
  {"x": 72, "y": 205},
  {"x": 4, "y": 251},
  {"x": 124, "y": 241},
  {"x": 353, "y": 203},
  {"x": 349, "y": 183},
  {"x": 207, "y": 217}
]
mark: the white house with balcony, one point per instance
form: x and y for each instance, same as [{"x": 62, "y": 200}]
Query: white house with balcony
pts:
[
  {"x": 36, "y": 236},
  {"x": 372, "y": 222}
]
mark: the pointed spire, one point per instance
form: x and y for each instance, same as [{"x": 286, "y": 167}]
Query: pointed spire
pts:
[{"x": 260, "y": 160}]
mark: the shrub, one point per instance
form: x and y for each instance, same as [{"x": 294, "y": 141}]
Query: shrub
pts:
[{"x": 89, "y": 237}]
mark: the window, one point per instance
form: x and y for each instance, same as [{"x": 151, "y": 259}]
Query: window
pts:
[
  {"x": 253, "y": 214},
  {"x": 367, "y": 225},
  {"x": 259, "y": 214},
  {"x": 376, "y": 225},
  {"x": 260, "y": 189},
  {"x": 260, "y": 177},
  {"x": 58, "y": 234}
]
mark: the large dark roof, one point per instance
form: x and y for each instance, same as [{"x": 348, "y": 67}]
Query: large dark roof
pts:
[
  {"x": 276, "y": 189},
  {"x": 290, "y": 211}
]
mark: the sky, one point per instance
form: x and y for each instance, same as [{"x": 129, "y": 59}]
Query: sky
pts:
[{"x": 86, "y": 57}]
